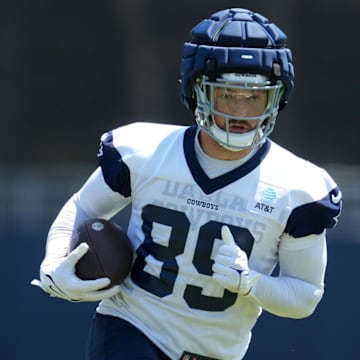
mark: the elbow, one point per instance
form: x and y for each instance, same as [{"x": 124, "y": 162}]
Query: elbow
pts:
[{"x": 308, "y": 304}]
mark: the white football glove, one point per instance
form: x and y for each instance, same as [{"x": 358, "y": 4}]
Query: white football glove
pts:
[
  {"x": 231, "y": 266},
  {"x": 58, "y": 278}
]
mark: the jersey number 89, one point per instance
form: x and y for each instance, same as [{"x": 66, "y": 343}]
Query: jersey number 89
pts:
[{"x": 179, "y": 223}]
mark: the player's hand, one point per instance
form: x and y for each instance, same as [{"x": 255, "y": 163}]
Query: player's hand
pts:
[
  {"x": 58, "y": 278},
  {"x": 231, "y": 266}
]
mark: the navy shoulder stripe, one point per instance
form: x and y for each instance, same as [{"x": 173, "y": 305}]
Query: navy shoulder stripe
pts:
[
  {"x": 116, "y": 173},
  {"x": 315, "y": 217}
]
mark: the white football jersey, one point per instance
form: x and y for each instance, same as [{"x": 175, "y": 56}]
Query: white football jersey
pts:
[{"x": 175, "y": 227}]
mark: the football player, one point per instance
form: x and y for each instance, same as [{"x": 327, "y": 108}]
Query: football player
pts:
[{"x": 215, "y": 208}]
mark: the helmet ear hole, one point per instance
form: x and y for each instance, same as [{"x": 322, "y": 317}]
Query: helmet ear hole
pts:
[
  {"x": 277, "y": 70},
  {"x": 211, "y": 69}
]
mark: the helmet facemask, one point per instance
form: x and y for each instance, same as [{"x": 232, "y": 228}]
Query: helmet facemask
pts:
[{"x": 239, "y": 91}]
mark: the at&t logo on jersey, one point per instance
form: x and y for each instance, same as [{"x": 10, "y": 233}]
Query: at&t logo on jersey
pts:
[
  {"x": 266, "y": 200},
  {"x": 268, "y": 196},
  {"x": 264, "y": 207}
]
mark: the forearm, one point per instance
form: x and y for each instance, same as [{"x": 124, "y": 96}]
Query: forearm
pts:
[
  {"x": 285, "y": 296},
  {"x": 299, "y": 287},
  {"x": 58, "y": 240},
  {"x": 94, "y": 199}
]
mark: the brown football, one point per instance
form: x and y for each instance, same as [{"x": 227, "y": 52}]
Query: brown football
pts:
[{"x": 110, "y": 251}]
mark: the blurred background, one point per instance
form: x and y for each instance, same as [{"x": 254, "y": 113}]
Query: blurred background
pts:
[{"x": 70, "y": 70}]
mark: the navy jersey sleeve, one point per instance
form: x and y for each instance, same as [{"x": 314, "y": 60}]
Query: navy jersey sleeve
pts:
[
  {"x": 115, "y": 171},
  {"x": 315, "y": 217}
]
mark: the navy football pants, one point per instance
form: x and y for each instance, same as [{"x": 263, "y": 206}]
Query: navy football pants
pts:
[{"x": 111, "y": 338}]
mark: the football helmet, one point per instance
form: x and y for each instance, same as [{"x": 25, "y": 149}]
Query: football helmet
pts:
[{"x": 238, "y": 51}]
